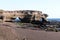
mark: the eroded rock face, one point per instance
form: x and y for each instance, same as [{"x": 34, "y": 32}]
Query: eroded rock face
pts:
[{"x": 7, "y": 33}]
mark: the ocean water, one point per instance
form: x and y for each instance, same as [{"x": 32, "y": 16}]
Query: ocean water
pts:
[{"x": 54, "y": 19}]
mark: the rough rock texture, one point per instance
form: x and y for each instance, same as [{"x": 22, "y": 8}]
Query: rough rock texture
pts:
[{"x": 7, "y": 33}]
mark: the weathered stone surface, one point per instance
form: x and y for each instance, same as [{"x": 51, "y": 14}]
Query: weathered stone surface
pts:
[
  {"x": 7, "y": 33},
  {"x": 14, "y": 33},
  {"x": 7, "y": 15}
]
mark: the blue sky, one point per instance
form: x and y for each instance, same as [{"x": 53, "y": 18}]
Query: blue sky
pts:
[{"x": 50, "y": 7}]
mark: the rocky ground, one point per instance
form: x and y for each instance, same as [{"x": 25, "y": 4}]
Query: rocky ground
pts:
[{"x": 11, "y": 31}]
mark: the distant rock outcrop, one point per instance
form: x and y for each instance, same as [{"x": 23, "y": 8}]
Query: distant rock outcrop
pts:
[{"x": 29, "y": 15}]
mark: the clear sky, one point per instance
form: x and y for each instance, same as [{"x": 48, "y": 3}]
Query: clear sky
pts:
[{"x": 50, "y": 7}]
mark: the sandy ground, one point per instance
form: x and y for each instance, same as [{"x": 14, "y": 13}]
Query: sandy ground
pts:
[{"x": 9, "y": 31}]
